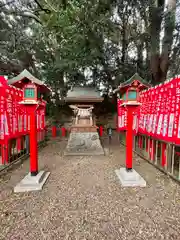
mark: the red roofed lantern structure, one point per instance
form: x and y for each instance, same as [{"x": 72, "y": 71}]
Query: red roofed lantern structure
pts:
[
  {"x": 129, "y": 93},
  {"x": 33, "y": 90}
]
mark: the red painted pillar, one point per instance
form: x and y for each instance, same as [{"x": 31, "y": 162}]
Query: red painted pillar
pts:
[
  {"x": 18, "y": 144},
  {"x": 141, "y": 142},
  {"x": 129, "y": 137},
  {"x": 63, "y": 131},
  {"x": 53, "y": 131},
  {"x": 151, "y": 149},
  {"x": 5, "y": 152},
  {"x": 33, "y": 143},
  {"x": 163, "y": 160},
  {"x": 100, "y": 131}
]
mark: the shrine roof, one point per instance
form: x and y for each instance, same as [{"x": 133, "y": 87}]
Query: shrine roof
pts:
[
  {"x": 133, "y": 78},
  {"x": 18, "y": 81},
  {"x": 143, "y": 84},
  {"x": 83, "y": 94}
]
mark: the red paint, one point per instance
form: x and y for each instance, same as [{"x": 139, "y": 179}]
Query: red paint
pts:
[
  {"x": 177, "y": 153},
  {"x": 151, "y": 149},
  {"x": 63, "y": 131},
  {"x": 15, "y": 120},
  {"x": 33, "y": 142},
  {"x": 100, "y": 131},
  {"x": 18, "y": 144},
  {"x": 141, "y": 141},
  {"x": 5, "y": 152},
  {"x": 163, "y": 155},
  {"x": 129, "y": 137},
  {"x": 53, "y": 131}
]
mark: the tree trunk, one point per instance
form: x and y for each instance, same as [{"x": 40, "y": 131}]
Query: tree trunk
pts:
[
  {"x": 156, "y": 10},
  {"x": 124, "y": 44},
  {"x": 139, "y": 56},
  {"x": 160, "y": 62},
  {"x": 169, "y": 26}
]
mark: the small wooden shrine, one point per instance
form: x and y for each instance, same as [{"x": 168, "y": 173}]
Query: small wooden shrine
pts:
[
  {"x": 84, "y": 138},
  {"x": 83, "y": 100}
]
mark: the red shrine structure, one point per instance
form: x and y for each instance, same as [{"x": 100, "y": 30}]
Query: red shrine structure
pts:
[
  {"x": 129, "y": 95},
  {"x": 33, "y": 90},
  {"x": 23, "y": 115}
]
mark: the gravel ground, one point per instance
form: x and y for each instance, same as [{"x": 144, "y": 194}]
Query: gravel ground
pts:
[{"x": 83, "y": 199}]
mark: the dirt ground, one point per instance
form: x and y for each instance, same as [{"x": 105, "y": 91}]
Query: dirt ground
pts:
[{"x": 83, "y": 199}]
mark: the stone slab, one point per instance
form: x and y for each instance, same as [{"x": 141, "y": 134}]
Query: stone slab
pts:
[
  {"x": 130, "y": 179},
  {"x": 84, "y": 144},
  {"x": 84, "y": 153},
  {"x": 32, "y": 183},
  {"x": 83, "y": 128}
]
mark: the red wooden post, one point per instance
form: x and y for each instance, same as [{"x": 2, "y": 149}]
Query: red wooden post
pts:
[
  {"x": 101, "y": 131},
  {"x": 141, "y": 141},
  {"x": 18, "y": 144},
  {"x": 53, "y": 131},
  {"x": 5, "y": 152},
  {"x": 163, "y": 156},
  {"x": 129, "y": 137},
  {"x": 152, "y": 150},
  {"x": 33, "y": 142},
  {"x": 63, "y": 131}
]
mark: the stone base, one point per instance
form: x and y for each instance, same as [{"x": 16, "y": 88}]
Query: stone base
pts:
[
  {"x": 130, "y": 179},
  {"x": 32, "y": 183},
  {"x": 82, "y": 128},
  {"x": 83, "y": 144}
]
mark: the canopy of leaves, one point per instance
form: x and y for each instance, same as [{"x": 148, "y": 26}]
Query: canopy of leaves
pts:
[{"x": 99, "y": 42}]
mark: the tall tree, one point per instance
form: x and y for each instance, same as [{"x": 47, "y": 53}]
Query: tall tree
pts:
[{"x": 160, "y": 57}]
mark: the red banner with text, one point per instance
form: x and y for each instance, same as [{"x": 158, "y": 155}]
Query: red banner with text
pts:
[{"x": 158, "y": 116}]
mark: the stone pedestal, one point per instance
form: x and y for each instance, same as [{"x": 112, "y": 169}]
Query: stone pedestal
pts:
[
  {"x": 32, "y": 183},
  {"x": 83, "y": 141},
  {"x": 84, "y": 122},
  {"x": 130, "y": 179}
]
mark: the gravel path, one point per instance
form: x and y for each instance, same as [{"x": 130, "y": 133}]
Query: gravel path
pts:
[{"x": 83, "y": 199}]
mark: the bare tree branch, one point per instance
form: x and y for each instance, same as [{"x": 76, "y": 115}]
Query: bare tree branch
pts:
[{"x": 27, "y": 14}]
